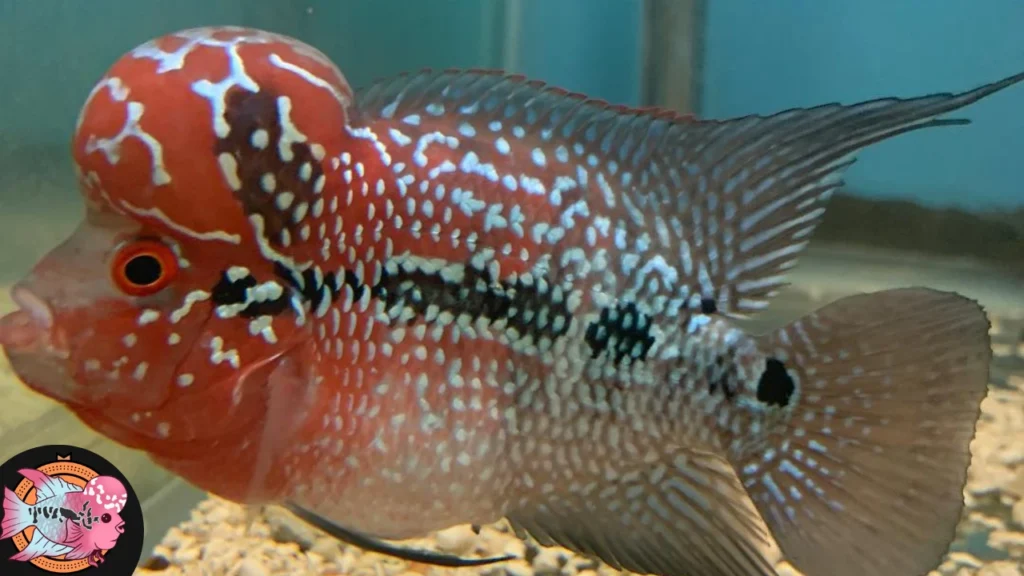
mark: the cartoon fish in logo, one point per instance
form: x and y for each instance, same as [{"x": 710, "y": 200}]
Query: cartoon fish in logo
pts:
[
  {"x": 69, "y": 520},
  {"x": 456, "y": 296}
]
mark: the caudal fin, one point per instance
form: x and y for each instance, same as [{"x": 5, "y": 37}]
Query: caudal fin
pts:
[
  {"x": 16, "y": 515},
  {"x": 867, "y": 476}
]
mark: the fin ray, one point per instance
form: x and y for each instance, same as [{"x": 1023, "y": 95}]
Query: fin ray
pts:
[
  {"x": 690, "y": 517},
  {"x": 742, "y": 196},
  {"x": 16, "y": 515},
  {"x": 48, "y": 486},
  {"x": 40, "y": 546},
  {"x": 868, "y": 472}
]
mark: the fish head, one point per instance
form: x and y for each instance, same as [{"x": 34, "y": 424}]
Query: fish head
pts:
[
  {"x": 106, "y": 529},
  {"x": 158, "y": 317}
]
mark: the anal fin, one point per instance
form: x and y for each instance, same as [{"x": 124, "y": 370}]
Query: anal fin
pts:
[
  {"x": 40, "y": 546},
  {"x": 685, "y": 514}
]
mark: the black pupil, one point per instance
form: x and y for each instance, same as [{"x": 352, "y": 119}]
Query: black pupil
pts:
[
  {"x": 143, "y": 270},
  {"x": 105, "y": 518}
]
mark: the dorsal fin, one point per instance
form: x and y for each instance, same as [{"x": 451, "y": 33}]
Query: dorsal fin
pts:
[
  {"x": 726, "y": 206},
  {"x": 48, "y": 486}
]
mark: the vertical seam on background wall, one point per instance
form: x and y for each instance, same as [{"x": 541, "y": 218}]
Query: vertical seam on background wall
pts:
[
  {"x": 512, "y": 29},
  {"x": 700, "y": 29},
  {"x": 644, "y": 48},
  {"x": 673, "y": 54},
  {"x": 492, "y": 27}
]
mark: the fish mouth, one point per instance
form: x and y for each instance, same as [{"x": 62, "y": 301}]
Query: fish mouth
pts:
[
  {"x": 120, "y": 527},
  {"x": 30, "y": 328},
  {"x": 37, "y": 350}
]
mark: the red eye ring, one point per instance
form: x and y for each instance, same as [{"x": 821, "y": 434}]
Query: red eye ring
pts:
[{"x": 143, "y": 267}]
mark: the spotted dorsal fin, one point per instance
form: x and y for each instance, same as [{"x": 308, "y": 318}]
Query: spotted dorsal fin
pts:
[
  {"x": 48, "y": 486},
  {"x": 721, "y": 209}
]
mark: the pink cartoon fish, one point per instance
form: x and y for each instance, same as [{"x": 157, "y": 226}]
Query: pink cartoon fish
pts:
[
  {"x": 69, "y": 520},
  {"x": 455, "y": 296}
]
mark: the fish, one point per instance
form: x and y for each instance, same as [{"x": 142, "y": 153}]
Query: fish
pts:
[
  {"x": 455, "y": 296},
  {"x": 71, "y": 521}
]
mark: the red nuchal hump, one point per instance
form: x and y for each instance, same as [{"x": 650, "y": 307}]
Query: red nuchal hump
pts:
[{"x": 214, "y": 116}]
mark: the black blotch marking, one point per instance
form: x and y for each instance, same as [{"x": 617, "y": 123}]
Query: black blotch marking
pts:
[
  {"x": 708, "y": 306},
  {"x": 227, "y": 292},
  {"x": 775, "y": 386},
  {"x": 625, "y": 328},
  {"x": 143, "y": 270},
  {"x": 247, "y": 112},
  {"x": 528, "y": 309},
  {"x": 311, "y": 285}
]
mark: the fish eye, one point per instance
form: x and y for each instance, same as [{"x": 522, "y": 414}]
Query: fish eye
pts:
[
  {"x": 144, "y": 267},
  {"x": 105, "y": 518}
]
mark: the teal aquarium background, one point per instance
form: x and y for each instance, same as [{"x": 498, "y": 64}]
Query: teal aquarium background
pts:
[
  {"x": 757, "y": 58},
  {"x": 764, "y": 56}
]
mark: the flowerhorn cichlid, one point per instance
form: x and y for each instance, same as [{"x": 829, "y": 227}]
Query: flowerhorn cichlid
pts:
[{"x": 456, "y": 296}]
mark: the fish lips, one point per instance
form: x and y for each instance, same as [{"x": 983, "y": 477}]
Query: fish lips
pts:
[
  {"x": 30, "y": 328},
  {"x": 37, "y": 350}
]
